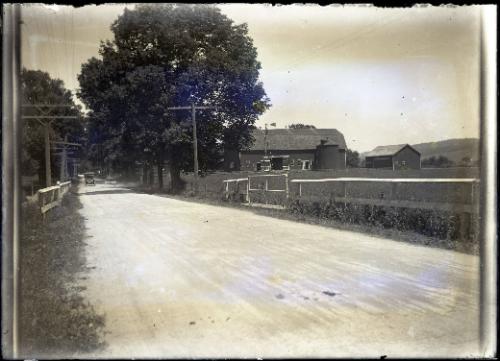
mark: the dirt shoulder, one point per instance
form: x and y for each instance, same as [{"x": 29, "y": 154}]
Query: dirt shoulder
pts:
[{"x": 55, "y": 320}]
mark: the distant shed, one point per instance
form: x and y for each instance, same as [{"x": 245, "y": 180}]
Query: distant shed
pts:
[{"x": 400, "y": 156}]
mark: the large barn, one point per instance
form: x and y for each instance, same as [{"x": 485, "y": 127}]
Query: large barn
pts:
[
  {"x": 285, "y": 149},
  {"x": 400, "y": 156}
]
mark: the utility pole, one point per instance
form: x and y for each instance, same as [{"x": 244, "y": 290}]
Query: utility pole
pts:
[
  {"x": 265, "y": 140},
  {"x": 265, "y": 137},
  {"x": 63, "y": 146},
  {"x": 195, "y": 146},
  {"x": 48, "y": 176},
  {"x": 45, "y": 110},
  {"x": 62, "y": 173},
  {"x": 193, "y": 109},
  {"x": 11, "y": 180}
]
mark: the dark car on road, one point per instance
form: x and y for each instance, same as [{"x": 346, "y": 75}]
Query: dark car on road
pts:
[{"x": 89, "y": 178}]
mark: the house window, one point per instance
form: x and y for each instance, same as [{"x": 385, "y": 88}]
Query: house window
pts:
[
  {"x": 403, "y": 163},
  {"x": 292, "y": 162},
  {"x": 277, "y": 163},
  {"x": 306, "y": 165}
]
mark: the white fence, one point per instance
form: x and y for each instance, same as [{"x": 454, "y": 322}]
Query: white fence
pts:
[
  {"x": 388, "y": 198},
  {"x": 51, "y": 197},
  {"x": 385, "y": 198},
  {"x": 260, "y": 188}
]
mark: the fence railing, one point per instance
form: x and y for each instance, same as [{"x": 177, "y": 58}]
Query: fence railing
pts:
[
  {"x": 431, "y": 196},
  {"x": 236, "y": 181},
  {"x": 262, "y": 188},
  {"x": 388, "y": 197},
  {"x": 51, "y": 197}
]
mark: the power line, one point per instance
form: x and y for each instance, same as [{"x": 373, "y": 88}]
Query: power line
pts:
[{"x": 338, "y": 43}]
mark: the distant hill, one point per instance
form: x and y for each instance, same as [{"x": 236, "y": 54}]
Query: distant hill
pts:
[{"x": 453, "y": 149}]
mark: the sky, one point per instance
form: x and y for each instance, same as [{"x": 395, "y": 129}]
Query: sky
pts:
[{"x": 379, "y": 75}]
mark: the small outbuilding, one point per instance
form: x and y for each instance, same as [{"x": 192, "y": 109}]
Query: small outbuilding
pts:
[{"x": 401, "y": 156}]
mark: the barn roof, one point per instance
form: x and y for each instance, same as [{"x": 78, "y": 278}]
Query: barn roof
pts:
[
  {"x": 387, "y": 150},
  {"x": 297, "y": 139}
]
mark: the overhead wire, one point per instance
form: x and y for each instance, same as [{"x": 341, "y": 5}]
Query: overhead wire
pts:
[{"x": 338, "y": 43}]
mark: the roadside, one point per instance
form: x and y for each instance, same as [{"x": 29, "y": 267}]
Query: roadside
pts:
[
  {"x": 55, "y": 319},
  {"x": 463, "y": 246}
]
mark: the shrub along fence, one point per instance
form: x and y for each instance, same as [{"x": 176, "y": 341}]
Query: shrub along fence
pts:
[{"x": 445, "y": 208}]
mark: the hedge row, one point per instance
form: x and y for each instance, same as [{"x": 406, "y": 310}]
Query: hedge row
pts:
[{"x": 443, "y": 225}]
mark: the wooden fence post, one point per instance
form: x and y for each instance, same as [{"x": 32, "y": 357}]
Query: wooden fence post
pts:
[
  {"x": 465, "y": 221},
  {"x": 393, "y": 190},
  {"x": 248, "y": 190},
  {"x": 344, "y": 190},
  {"x": 286, "y": 187}
]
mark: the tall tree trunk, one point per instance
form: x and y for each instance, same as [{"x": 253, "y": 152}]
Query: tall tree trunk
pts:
[
  {"x": 159, "y": 168},
  {"x": 151, "y": 175},
  {"x": 41, "y": 171},
  {"x": 176, "y": 183},
  {"x": 144, "y": 173},
  {"x": 129, "y": 172}
]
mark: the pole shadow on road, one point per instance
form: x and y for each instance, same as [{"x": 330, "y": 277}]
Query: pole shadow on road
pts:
[{"x": 106, "y": 191}]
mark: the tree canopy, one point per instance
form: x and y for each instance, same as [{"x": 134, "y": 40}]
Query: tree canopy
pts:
[
  {"x": 352, "y": 159},
  {"x": 163, "y": 56},
  {"x": 437, "y": 162},
  {"x": 38, "y": 88}
]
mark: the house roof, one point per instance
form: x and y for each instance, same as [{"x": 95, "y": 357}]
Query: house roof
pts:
[
  {"x": 296, "y": 139},
  {"x": 387, "y": 150}
]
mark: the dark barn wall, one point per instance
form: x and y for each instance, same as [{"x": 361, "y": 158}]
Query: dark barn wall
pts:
[
  {"x": 379, "y": 162},
  {"x": 408, "y": 155},
  {"x": 329, "y": 157}
]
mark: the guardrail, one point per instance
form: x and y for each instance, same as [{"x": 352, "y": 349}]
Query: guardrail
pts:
[{"x": 51, "y": 197}]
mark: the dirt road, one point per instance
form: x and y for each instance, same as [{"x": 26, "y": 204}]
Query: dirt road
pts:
[{"x": 179, "y": 279}]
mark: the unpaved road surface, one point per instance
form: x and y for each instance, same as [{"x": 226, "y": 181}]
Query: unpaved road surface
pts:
[{"x": 180, "y": 279}]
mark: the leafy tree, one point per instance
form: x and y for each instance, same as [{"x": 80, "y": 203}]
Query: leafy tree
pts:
[
  {"x": 444, "y": 162},
  {"x": 352, "y": 159},
  {"x": 466, "y": 162},
  {"x": 38, "y": 87},
  {"x": 172, "y": 55},
  {"x": 437, "y": 162},
  {"x": 301, "y": 126}
]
